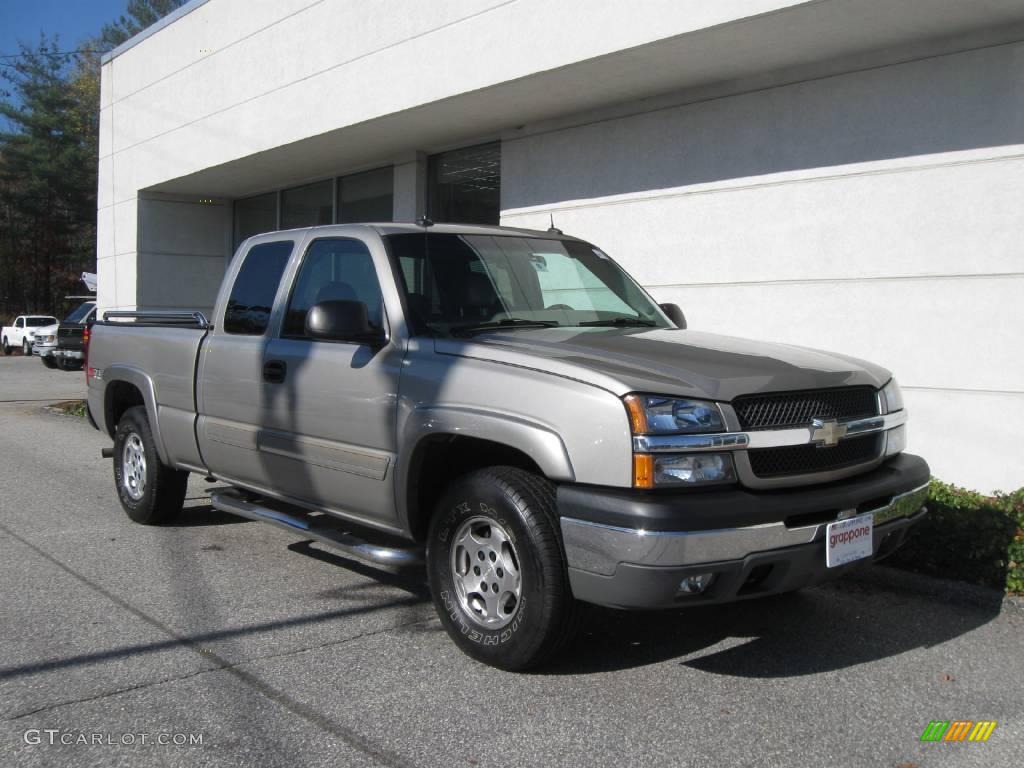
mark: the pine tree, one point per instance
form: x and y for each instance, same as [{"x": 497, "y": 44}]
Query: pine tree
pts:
[
  {"x": 47, "y": 181},
  {"x": 49, "y": 142}
]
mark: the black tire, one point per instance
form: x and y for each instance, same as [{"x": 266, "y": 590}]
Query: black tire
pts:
[
  {"x": 26, "y": 348},
  {"x": 7, "y": 347},
  {"x": 48, "y": 361},
  {"x": 541, "y": 620},
  {"x": 70, "y": 364},
  {"x": 159, "y": 498}
]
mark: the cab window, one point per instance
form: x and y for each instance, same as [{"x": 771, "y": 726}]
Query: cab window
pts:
[
  {"x": 334, "y": 269},
  {"x": 252, "y": 295}
]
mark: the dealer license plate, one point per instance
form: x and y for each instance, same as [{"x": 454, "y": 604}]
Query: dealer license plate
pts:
[{"x": 849, "y": 540}]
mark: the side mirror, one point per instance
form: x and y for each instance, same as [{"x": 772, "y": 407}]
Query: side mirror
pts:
[
  {"x": 342, "y": 320},
  {"x": 675, "y": 314}
]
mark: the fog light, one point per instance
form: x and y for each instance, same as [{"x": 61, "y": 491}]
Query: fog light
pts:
[
  {"x": 694, "y": 585},
  {"x": 896, "y": 440}
]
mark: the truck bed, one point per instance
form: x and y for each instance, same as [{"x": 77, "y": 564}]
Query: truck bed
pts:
[{"x": 164, "y": 354}]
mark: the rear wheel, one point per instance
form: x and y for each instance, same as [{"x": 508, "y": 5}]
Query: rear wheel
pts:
[
  {"x": 48, "y": 361},
  {"x": 7, "y": 347},
  {"x": 497, "y": 571},
  {"x": 150, "y": 492}
]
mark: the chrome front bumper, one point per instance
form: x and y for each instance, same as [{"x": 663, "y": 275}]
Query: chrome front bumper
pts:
[
  {"x": 601, "y": 548},
  {"x": 636, "y": 568}
]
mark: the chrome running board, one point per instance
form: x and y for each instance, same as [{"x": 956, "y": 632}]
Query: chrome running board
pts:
[{"x": 322, "y": 527}]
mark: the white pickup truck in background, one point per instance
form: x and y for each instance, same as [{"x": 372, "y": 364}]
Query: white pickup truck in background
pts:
[{"x": 21, "y": 332}]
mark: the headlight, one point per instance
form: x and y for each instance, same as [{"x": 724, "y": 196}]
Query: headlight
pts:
[
  {"x": 891, "y": 397},
  {"x": 652, "y": 415}
]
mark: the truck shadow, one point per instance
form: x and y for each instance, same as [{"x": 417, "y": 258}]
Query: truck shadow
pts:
[
  {"x": 412, "y": 580},
  {"x": 831, "y": 627},
  {"x": 199, "y": 513}
]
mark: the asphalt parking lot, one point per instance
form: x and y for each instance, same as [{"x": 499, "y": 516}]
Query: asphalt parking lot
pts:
[{"x": 273, "y": 651}]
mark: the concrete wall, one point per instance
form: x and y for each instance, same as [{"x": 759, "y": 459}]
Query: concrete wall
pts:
[
  {"x": 877, "y": 213},
  {"x": 184, "y": 248},
  {"x": 230, "y": 79}
]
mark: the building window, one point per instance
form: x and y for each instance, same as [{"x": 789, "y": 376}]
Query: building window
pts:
[
  {"x": 254, "y": 216},
  {"x": 465, "y": 185},
  {"x": 308, "y": 206},
  {"x": 364, "y": 197}
]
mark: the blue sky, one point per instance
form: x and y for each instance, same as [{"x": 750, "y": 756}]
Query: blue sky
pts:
[{"x": 73, "y": 20}]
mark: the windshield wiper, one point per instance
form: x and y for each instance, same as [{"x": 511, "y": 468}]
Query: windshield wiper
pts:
[
  {"x": 508, "y": 322},
  {"x": 621, "y": 321}
]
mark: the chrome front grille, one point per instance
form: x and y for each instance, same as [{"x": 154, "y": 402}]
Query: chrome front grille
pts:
[
  {"x": 798, "y": 409},
  {"x": 793, "y": 410}
]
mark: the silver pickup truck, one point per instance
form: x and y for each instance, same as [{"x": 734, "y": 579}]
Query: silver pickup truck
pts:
[{"x": 511, "y": 405}]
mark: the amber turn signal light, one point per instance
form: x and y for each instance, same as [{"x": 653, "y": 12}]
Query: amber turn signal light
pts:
[
  {"x": 637, "y": 414},
  {"x": 643, "y": 470}
]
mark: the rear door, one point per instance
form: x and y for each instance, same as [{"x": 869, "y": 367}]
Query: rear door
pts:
[
  {"x": 229, "y": 385},
  {"x": 330, "y": 409}
]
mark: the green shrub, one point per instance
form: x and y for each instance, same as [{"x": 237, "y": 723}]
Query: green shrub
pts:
[
  {"x": 1012, "y": 505},
  {"x": 968, "y": 536}
]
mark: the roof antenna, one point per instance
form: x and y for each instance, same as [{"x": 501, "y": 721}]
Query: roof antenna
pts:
[
  {"x": 553, "y": 229},
  {"x": 424, "y": 222}
]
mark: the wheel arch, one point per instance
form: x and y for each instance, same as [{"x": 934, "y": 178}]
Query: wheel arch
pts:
[
  {"x": 127, "y": 387},
  {"x": 442, "y": 444}
]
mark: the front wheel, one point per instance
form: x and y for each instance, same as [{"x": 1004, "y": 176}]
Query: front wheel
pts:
[
  {"x": 497, "y": 571},
  {"x": 151, "y": 492},
  {"x": 26, "y": 348}
]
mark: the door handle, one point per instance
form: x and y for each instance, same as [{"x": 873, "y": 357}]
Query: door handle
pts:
[{"x": 274, "y": 371}]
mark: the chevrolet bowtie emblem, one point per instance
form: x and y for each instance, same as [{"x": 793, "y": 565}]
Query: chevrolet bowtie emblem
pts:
[{"x": 827, "y": 434}]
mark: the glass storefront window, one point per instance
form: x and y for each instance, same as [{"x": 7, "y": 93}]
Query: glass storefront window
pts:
[
  {"x": 465, "y": 185},
  {"x": 255, "y": 215},
  {"x": 307, "y": 206},
  {"x": 366, "y": 196}
]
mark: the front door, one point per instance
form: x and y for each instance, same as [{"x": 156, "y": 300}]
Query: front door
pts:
[{"x": 330, "y": 407}]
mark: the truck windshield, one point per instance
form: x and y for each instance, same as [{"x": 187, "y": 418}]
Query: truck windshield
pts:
[
  {"x": 458, "y": 284},
  {"x": 35, "y": 322}
]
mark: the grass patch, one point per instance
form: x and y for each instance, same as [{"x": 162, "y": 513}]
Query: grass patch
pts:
[
  {"x": 71, "y": 407},
  {"x": 968, "y": 536}
]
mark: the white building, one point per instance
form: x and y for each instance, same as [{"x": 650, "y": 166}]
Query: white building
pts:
[{"x": 844, "y": 174}]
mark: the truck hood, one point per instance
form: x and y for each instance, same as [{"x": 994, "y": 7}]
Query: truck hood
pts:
[{"x": 668, "y": 361}]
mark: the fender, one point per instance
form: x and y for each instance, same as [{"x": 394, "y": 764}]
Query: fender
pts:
[
  {"x": 537, "y": 441},
  {"x": 142, "y": 381}
]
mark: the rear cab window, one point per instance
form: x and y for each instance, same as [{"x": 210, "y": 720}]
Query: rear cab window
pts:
[{"x": 252, "y": 295}]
